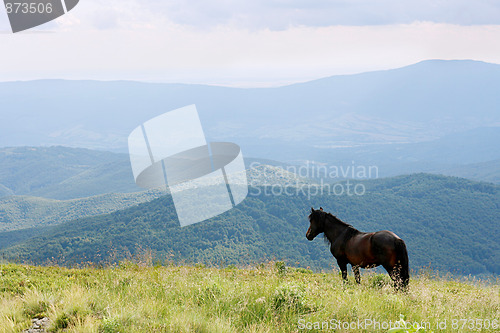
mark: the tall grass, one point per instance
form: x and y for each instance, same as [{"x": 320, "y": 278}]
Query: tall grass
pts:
[{"x": 268, "y": 298}]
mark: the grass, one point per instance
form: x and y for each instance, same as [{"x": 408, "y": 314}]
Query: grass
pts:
[{"x": 268, "y": 298}]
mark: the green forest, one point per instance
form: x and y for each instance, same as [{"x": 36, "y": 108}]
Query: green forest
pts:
[{"x": 449, "y": 224}]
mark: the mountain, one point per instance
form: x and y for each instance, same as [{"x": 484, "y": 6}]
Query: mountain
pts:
[
  {"x": 442, "y": 155},
  {"x": 484, "y": 171},
  {"x": 63, "y": 173},
  {"x": 449, "y": 223},
  {"x": 432, "y": 116},
  {"x": 21, "y": 212},
  {"x": 9, "y": 238}
]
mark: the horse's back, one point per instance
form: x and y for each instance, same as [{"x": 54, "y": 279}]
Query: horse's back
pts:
[{"x": 385, "y": 235}]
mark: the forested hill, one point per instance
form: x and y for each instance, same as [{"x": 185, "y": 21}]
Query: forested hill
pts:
[{"x": 451, "y": 224}]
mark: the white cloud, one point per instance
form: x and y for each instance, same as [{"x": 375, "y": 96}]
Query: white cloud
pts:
[
  {"x": 244, "y": 42},
  {"x": 282, "y": 14}
]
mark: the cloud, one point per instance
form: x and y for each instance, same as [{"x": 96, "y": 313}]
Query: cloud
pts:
[
  {"x": 276, "y": 14},
  {"x": 231, "y": 56},
  {"x": 282, "y": 14}
]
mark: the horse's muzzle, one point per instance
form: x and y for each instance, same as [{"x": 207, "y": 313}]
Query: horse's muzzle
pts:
[{"x": 309, "y": 235}]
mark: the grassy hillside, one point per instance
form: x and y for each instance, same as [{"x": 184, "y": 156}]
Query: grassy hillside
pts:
[
  {"x": 268, "y": 298},
  {"x": 451, "y": 224}
]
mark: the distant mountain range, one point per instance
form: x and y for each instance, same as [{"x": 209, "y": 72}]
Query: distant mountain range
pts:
[
  {"x": 486, "y": 171},
  {"x": 468, "y": 150},
  {"x": 416, "y": 103},
  {"x": 448, "y": 223},
  {"x": 432, "y": 116}
]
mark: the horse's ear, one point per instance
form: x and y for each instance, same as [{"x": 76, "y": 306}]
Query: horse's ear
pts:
[
  {"x": 312, "y": 210},
  {"x": 321, "y": 208}
]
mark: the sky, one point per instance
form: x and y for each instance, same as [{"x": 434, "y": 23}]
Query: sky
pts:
[{"x": 247, "y": 43}]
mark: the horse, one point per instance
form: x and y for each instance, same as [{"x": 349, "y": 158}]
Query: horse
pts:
[{"x": 361, "y": 249}]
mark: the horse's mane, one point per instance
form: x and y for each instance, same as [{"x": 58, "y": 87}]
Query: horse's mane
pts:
[
  {"x": 337, "y": 220},
  {"x": 350, "y": 231}
]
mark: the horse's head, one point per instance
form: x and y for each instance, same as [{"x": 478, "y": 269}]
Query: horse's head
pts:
[{"x": 317, "y": 221}]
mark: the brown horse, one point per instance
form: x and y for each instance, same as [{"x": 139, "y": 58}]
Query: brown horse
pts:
[{"x": 361, "y": 249}]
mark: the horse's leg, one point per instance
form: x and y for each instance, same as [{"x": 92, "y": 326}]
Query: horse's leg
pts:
[
  {"x": 398, "y": 281},
  {"x": 393, "y": 273},
  {"x": 390, "y": 271},
  {"x": 355, "y": 270},
  {"x": 343, "y": 268}
]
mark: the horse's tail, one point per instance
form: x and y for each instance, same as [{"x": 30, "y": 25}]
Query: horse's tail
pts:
[{"x": 402, "y": 264}]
